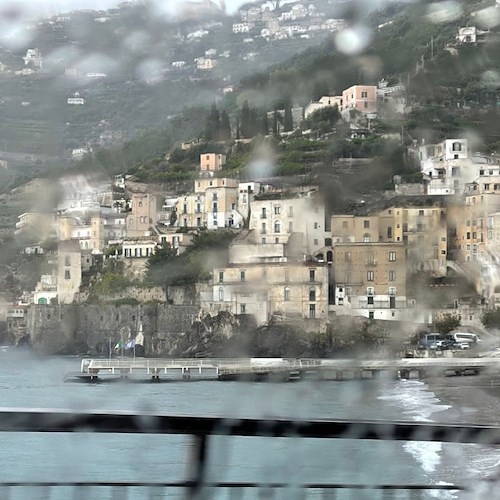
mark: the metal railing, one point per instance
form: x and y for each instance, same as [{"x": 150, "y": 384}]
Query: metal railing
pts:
[{"x": 202, "y": 428}]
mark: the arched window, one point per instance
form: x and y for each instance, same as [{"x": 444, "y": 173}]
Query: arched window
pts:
[
  {"x": 287, "y": 293},
  {"x": 277, "y": 227},
  {"x": 329, "y": 256},
  {"x": 366, "y": 238},
  {"x": 221, "y": 294}
]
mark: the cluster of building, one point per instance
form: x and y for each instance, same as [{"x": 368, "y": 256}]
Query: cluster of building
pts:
[
  {"x": 263, "y": 20},
  {"x": 367, "y": 100},
  {"x": 290, "y": 259}
]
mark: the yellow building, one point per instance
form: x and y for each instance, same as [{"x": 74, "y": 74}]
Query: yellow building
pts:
[
  {"x": 421, "y": 227},
  {"x": 370, "y": 279}
]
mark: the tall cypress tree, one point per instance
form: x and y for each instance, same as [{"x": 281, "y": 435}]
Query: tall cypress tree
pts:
[
  {"x": 225, "y": 127},
  {"x": 245, "y": 120},
  {"x": 212, "y": 126},
  {"x": 288, "y": 119}
]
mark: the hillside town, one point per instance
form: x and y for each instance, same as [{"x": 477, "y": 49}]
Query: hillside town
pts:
[
  {"x": 286, "y": 213},
  {"x": 289, "y": 259}
]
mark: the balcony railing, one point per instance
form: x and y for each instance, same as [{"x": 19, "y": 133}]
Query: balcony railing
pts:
[{"x": 202, "y": 428}]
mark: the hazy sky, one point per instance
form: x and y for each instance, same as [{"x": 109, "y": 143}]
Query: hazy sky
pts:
[{"x": 49, "y": 7}]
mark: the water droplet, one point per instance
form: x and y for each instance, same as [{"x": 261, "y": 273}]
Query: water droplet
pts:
[{"x": 353, "y": 40}]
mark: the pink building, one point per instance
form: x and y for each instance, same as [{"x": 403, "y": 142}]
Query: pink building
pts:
[
  {"x": 211, "y": 162},
  {"x": 360, "y": 97}
]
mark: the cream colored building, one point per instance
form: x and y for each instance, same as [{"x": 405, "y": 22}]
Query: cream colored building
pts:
[
  {"x": 138, "y": 248},
  {"x": 145, "y": 209},
  {"x": 268, "y": 281},
  {"x": 276, "y": 216},
  {"x": 213, "y": 204},
  {"x": 178, "y": 241},
  {"x": 324, "y": 102},
  {"x": 69, "y": 274},
  {"x": 370, "y": 280}
]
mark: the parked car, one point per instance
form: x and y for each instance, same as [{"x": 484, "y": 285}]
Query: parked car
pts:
[
  {"x": 471, "y": 338},
  {"x": 462, "y": 345},
  {"x": 430, "y": 340}
]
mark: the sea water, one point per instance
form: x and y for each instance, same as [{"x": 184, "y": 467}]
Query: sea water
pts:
[{"x": 31, "y": 381}]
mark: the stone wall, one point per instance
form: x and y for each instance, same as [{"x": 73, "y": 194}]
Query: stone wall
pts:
[{"x": 88, "y": 328}]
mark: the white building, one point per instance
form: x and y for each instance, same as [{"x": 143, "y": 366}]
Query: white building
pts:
[
  {"x": 447, "y": 166},
  {"x": 276, "y": 217},
  {"x": 242, "y": 27},
  {"x": 324, "y": 102}
]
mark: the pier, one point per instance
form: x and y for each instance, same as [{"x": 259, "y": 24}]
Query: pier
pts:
[{"x": 278, "y": 369}]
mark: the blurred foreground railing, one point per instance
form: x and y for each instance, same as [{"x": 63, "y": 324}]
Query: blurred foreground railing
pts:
[{"x": 201, "y": 428}]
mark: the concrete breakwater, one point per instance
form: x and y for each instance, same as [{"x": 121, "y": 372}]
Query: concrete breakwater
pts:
[{"x": 78, "y": 329}]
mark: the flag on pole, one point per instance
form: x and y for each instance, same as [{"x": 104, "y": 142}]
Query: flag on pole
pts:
[
  {"x": 139, "y": 339},
  {"x": 130, "y": 344},
  {"x": 119, "y": 345}
]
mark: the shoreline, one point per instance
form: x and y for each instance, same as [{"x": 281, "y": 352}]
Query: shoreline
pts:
[{"x": 473, "y": 399}]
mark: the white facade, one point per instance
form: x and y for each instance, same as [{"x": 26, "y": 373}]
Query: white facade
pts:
[
  {"x": 242, "y": 27},
  {"x": 447, "y": 166},
  {"x": 275, "y": 217}
]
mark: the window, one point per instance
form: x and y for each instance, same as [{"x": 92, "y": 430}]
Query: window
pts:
[
  {"x": 277, "y": 210},
  {"x": 290, "y": 211},
  {"x": 392, "y": 290},
  {"x": 392, "y": 256},
  {"x": 366, "y": 224},
  {"x": 221, "y": 276},
  {"x": 366, "y": 238},
  {"x": 221, "y": 294},
  {"x": 371, "y": 259},
  {"x": 263, "y": 228},
  {"x": 315, "y": 225},
  {"x": 312, "y": 295},
  {"x": 263, "y": 214},
  {"x": 242, "y": 275},
  {"x": 277, "y": 227},
  {"x": 290, "y": 226},
  {"x": 347, "y": 257},
  {"x": 286, "y": 294},
  {"x": 456, "y": 146},
  {"x": 316, "y": 242},
  {"x": 312, "y": 311},
  {"x": 486, "y": 187},
  {"x": 370, "y": 275},
  {"x": 67, "y": 274},
  {"x": 312, "y": 275},
  {"x": 67, "y": 260},
  {"x": 370, "y": 291},
  {"x": 365, "y": 105},
  {"x": 364, "y": 94},
  {"x": 421, "y": 213},
  {"x": 392, "y": 275},
  {"x": 243, "y": 308},
  {"x": 389, "y": 232},
  {"x": 468, "y": 236}
]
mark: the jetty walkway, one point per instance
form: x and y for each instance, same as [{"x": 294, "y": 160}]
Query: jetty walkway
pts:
[{"x": 279, "y": 369}]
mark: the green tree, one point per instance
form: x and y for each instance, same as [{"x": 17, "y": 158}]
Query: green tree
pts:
[
  {"x": 491, "y": 318},
  {"x": 288, "y": 118},
  {"x": 212, "y": 124},
  {"x": 446, "y": 323},
  {"x": 225, "y": 127},
  {"x": 162, "y": 253}
]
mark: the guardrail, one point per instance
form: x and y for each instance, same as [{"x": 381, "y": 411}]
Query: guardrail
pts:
[{"x": 201, "y": 428}]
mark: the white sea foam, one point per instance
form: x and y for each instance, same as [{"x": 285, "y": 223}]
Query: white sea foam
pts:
[{"x": 420, "y": 404}]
